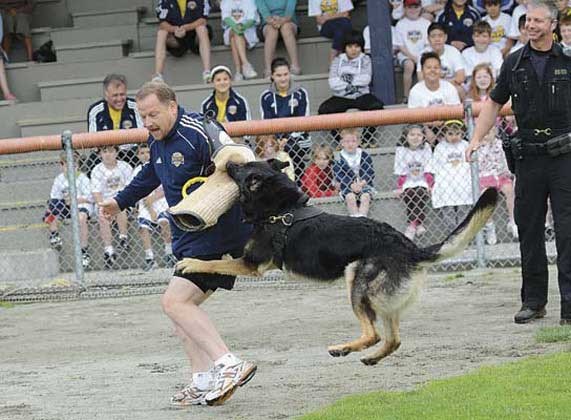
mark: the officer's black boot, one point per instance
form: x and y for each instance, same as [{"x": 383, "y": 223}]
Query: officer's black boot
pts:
[{"x": 527, "y": 314}]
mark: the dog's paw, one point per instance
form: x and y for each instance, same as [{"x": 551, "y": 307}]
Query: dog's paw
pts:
[
  {"x": 369, "y": 361},
  {"x": 187, "y": 265},
  {"x": 337, "y": 351}
]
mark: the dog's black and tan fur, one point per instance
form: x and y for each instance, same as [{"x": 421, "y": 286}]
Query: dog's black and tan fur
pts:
[{"x": 382, "y": 268}]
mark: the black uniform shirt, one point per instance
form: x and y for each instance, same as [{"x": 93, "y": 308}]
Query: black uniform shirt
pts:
[{"x": 537, "y": 103}]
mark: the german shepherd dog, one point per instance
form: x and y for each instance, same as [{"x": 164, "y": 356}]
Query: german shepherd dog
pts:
[{"x": 383, "y": 269}]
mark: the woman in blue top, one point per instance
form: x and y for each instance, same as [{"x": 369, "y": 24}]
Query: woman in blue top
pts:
[
  {"x": 278, "y": 18},
  {"x": 283, "y": 99}
]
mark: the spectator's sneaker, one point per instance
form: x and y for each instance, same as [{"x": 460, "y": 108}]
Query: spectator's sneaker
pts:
[
  {"x": 206, "y": 76},
  {"x": 85, "y": 259},
  {"x": 248, "y": 71},
  {"x": 189, "y": 395},
  {"x": 549, "y": 233},
  {"x": 55, "y": 241},
  {"x": 170, "y": 260},
  {"x": 227, "y": 379},
  {"x": 158, "y": 77},
  {"x": 410, "y": 231},
  {"x": 150, "y": 264},
  {"x": 238, "y": 77},
  {"x": 109, "y": 260},
  {"x": 10, "y": 97},
  {"x": 490, "y": 233},
  {"x": 420, "y": 230},
  {"x": 296, "y": 71},
  {"x": 512, "y": 227},
  {"x": 123, "y": 244}
]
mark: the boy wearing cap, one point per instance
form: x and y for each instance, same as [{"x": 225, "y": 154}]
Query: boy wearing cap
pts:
[{"x": 412, "y": 38}]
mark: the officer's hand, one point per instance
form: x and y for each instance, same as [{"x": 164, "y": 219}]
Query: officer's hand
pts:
[
  {"x": 109, "y": 208},
  {"x": 472, "y": 147}
]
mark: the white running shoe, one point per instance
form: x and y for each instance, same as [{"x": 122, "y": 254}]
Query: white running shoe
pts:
[
  {"x": 248, "y": 71},
  {"x": 227, "y": 379},
  {"x": 206, "y": 76},
  {"x": 512, "y": 227},
  {"x": 158, "y": 77},
  {"x": 238, "y": 77},
  {"x": 189, "y": 395},
  {"x": 490, "y": 233},
  {"x": 410, "y": 231}
]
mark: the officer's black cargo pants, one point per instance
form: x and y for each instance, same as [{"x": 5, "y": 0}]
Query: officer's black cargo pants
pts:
[{"x": 539, "y": 177}]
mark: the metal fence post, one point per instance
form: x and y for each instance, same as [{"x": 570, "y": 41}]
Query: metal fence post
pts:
[
  {"x": 74, "y": 209},
  {"x": 469, "y": 116}
]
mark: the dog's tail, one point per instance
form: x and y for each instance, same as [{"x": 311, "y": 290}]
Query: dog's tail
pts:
[{"x": 459, "y": 239}]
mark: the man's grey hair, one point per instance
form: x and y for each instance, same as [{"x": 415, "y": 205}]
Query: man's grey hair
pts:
[
  {"x": 546, "y": 4},
  {"x": 163, "y": 92},
  {"x": 114, "y": 78}
]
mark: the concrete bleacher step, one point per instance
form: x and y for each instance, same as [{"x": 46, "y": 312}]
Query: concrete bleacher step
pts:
[
  {"x": 23, "y": 266},
  {"x": 108, "y": 17},
  {"x": 25, "y": 190},
  {"x": 46, "y": 126},
  {"x": 51, "y": 13},
  {"x": 24, "y": 237},
  {"x": 72, "y": 36},
  {"x": 80, "y": 6},
  {"x": 11, "y": 171},
  {"x": 93, "y": 51},
  {"x": 22, "y": 213}
]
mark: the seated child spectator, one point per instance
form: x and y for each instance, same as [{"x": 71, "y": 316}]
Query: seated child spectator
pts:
[
  {"x": 459, "y": 16},
  {"x": 522, "y": 35},
  {"x": 412, "y": 38},
  {"x": 59, "y": 210},
  {"x": 333, "y": 21},
  {"x": 494, "y": 172},
  {"x": 107, "y": 179},
  {"x": 505, "y": 6},
  {"x": 267, "y": 147},
  {"x": 354, "y": 173},
  {"x": 279, "y": 19},
  {"x": 17, "y": 17},
  {"x": 500, "y": 23},
  {"x": 152, "y": 216},
  {"x": 350, "y": 75},
  {"x": 452, "y": 192},
  {"x": 181, "y": 23},
  {"x": 239, "y": 20},
  {"x": 482, "y": 51},
  {"x": 517, "y": 13},
  {"x": 481, "y": 82},
  {"x": 318, "y": 180},
  {"x": 412, "y": 157},
  {"x": 367, "y": 39},
  {"x": 284, "y": 99},
  {"x": 432, "y": 91},
  {"x": 451, "y": 62},
  {"x": 565, "y": 29},
  {"x": 224, "y": 102}
]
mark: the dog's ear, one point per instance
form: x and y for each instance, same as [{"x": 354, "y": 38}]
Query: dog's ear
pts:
[{"x": 277, "y": 165}]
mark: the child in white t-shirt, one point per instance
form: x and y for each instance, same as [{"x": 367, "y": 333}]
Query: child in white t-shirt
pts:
[
  {"x": 239, "y": 20},
  {"x": 500, "y": 23},
  {"x": 59, "y": 210},
  {"x": 333, "y": 21},
  {"x": 565, "y": 29},
  {"x": 522, "y": 37},
  {"x": 414, "y": 182},
  {"x": 482, "y": 51},
  {"x": 107, "y": 179},
  {"x": 153, "y": 217},
  {"x": 452, "y": 192},
  {"x": 519, "y": 11},
  {"x": 412, "y": 38}
]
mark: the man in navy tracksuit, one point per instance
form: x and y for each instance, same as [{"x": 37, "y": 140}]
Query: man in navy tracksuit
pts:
[{"x": 180, "y": 151}]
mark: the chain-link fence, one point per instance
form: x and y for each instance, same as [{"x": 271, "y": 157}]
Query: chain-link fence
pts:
[{"x": 413, "y": 177}]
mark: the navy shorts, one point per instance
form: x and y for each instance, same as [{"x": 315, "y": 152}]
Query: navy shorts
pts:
[{"x": 207, "y": 281}]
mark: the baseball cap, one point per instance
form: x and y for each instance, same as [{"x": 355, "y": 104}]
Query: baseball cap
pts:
[{"x": 412, "y": 3}]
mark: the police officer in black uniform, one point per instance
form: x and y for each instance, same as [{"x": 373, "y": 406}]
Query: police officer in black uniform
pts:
[{"x": 538, "y": 80}]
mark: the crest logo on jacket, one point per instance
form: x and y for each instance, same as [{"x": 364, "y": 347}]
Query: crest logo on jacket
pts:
[
  {"x": 293, "y": 102},
  {"x": 191, "y": 5},
  {"x": 232, "y": 109},
  {"x": 127, "y": 124},
  {"x": 177, "y": 159}
]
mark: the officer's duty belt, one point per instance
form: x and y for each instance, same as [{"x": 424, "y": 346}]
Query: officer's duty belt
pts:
[{"x": 555, "y": 146}]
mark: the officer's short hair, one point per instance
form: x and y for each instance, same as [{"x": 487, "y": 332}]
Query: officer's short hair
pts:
[
  {"x": 114, "y": 78},
  {"x": 428, "y": 56},
  {"x": 435, "y": 26},
  {"x": 482, "y": 27},
  {"x": 161, "y": 90},
  {"x": 549, "y": 5}
]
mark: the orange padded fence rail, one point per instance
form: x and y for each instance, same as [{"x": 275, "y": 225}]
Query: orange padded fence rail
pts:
[{"x": 242, "y": 128}]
